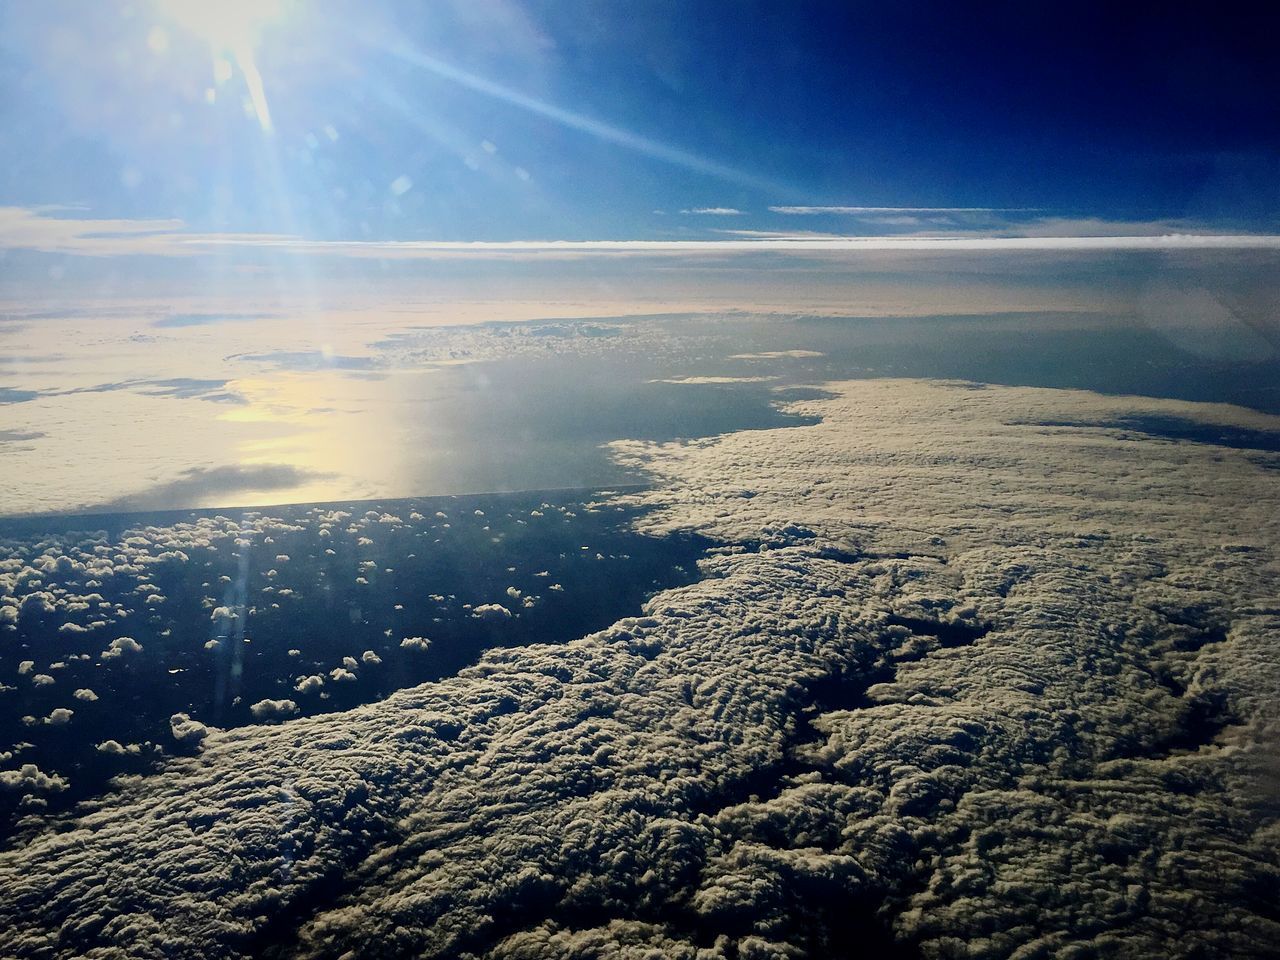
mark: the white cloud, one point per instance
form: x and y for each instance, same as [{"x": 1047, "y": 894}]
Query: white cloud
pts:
[
  {"x": 858, "y": 211},
  {"x": 309, "y": 684},
  {"x": 49, "y": 230},
  {"x": 491, "y": 611},
  {"x": 30, "y": 778},
  {"x": 777, "y": 355},
  {"x": 187, "y": 731},
  {"x": 33, "y": 229},
  {"x": 709, "y": 380},
  {"x": 273, "y": 709},
  {"x": 120, "y": 646}
]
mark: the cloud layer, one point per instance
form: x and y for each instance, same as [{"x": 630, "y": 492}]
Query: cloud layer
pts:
[
  {"x": 34, "y": 230},
  {"x": 1003, "y": 686}
]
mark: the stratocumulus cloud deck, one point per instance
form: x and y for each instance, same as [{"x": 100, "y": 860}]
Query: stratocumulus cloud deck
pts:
[{"x": 1066, "y": 639}]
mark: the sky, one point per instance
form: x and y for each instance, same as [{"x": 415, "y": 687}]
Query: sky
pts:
[
  {"x": 504, "y": 120},
  {"x": 247, "y": 242}
]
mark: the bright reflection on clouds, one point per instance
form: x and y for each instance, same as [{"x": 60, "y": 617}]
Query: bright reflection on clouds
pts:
[{"x": 350, "y": 432}]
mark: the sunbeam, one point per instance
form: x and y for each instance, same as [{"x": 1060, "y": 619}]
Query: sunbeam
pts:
[{"x": 585, "y": 124}]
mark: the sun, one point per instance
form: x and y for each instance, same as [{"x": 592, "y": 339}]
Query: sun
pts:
[
  {"x": 227, "y": 25},
  {"x": 231, "y": 28}
]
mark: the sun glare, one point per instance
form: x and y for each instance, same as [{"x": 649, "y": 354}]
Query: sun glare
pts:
[
  {"x": 231, "y": 28},
  {"x": 227, "y": 25}
]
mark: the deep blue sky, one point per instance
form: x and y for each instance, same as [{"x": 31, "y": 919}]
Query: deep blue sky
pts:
[{"x": 389, "y": 121}]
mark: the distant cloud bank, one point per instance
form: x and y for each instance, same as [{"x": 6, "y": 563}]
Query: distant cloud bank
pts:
[
  {"x": 815, "y": 211},
  {"x": 39, "y": 230}
]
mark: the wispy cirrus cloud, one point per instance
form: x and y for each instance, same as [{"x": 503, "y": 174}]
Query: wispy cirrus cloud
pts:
[
  {"x": 42, "y": 229},
  {"x": 855, "y": 211},
  {"x": 715, "y": 211}
]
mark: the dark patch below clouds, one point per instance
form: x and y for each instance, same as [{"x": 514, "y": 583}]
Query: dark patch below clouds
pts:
[
  {"x": 1107, "y": 353},
  {"x": 1178, "y": 428},
  {"x": 202, "y": 483},
  {"x": 11, "y": 395},
  {"x": 308, "y": 360},
  {"x": 1182, "y": 430},
  {"x": 178, "y": 388},
  {"x": 206, "y": 319}
]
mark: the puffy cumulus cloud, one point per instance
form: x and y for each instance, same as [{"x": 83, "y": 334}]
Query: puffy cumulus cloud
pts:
[
  {"x": 273, "y": 709},
  {"x": 186, "y": 731},
  {"x": 956, "y": 673},
  {"x": 60, "y": 716},
  {"x": 341, "y": 675},
  {"x": 29, "y": 778},
  {"x": 309, "y": 684},
  {"x": 415, "y": 643},
  {"x": 491, "y": 611},
  {"x": 85, "y": 694},
  {"x": 120, "y": 646},
  {"x": 37, "y": 603},
  {"x": 370, "y": 656}
]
